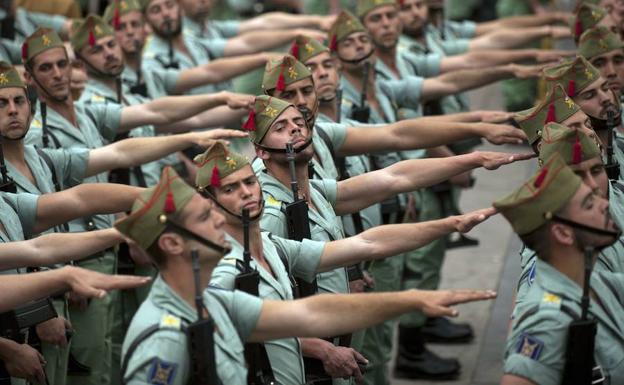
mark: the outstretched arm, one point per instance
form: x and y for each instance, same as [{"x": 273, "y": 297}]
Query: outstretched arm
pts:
[
  {"x": 366, "y": 189},
  {"x": 515, "y": 37},
  {"x": 19, "y": 289},
  {"x": 266, "y": 40},
  {"x": 335, "y": 314},
  {"x": 423, "y": 132},
  {"x": 136, "y": 151},
  {"x": 82, "y": 201},
  {"x": 52, "y": 248},
  {"x": 491, "y": 57},
  {"x": 522, "y": 21},
  {"x": 222, "y": 116},
  {"x": 282, "y": 20}
]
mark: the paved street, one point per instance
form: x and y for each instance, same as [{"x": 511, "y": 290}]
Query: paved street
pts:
[{"x": 491, "y": 265}]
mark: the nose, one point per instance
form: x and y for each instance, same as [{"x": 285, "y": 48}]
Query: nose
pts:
[
  {"x": 12, "y": 108},
  {"x": 56, "y": 72},
  {"x": 605, "y": 97},
  {"x": 245, "y": 190},
  {"x": 219, "y": 218},
  {"x": 609, "y": 70},
  {"x": 590, "y": 181},
  {"x": 300, "y": 99}
]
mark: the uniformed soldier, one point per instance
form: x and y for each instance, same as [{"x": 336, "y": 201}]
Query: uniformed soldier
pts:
[
  {"x": 171, "y": 220},
  {"x": 588, "y": 16},
  {"x": 604, "y": 49},
  {"x": 559, "y": 217},
  {"x": 235, "y": 186}
]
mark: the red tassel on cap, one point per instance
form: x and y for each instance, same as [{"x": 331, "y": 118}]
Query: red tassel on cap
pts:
[
  {"x": 116, "y": 18},
  {"x": 25, "y": 51},
  {"x": 170, "y": 206},
  {"x": 281, "y": 82},
  {"x": 250, "y": 124},
  {"x": 571, "y": 88},
  {"x": 577, "y": 151},
  {"x": 91, "y": 38},
  {"x": 215, "y": 180},
  {"x": 401, "y": 2},
  {"x": 578, "y": 28},
  {"x": 550, "y": 116},
  {"x": 333, "y": 45},
  {"x": 540, "y": 178},
  {"x": 294, "y": 50}
]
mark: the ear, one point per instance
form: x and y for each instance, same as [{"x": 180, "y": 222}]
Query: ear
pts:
[
  {"x": 171, "y": 243},
  {"x": 562, "y": 234},
  {"x": 262, "y": 154}
]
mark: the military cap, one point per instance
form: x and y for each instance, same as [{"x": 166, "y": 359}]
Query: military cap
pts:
[
  {"x": 574, "y": 75},
  {"x": 572, "y": 145},
  {"x": 365, "y": 6},
  {"x": 88, "y": 31},
  {"x": 119, "y": 8},
  {"x": 9, "y": 77},
  {"x": 265, "y": 111},
  {"x": 587, "y": 16},
  {"x": 154, "y": 207},
  {"x": 597, "y": 41},
  {"x": 217, "y": 163},
  {"x": 344, "y": 25},
  {"x": 282, "y": 72},
  {"x": 547, "y": 192},
  {"x": 304, "y": 48},
  {"x": 556, "y": 106},
  {"x": 41, "y": 40}
]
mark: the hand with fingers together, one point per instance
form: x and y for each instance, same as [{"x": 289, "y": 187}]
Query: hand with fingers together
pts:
[{"x": 437, "y": 303}]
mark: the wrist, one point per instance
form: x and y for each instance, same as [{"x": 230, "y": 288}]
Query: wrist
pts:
[{"x": 8, "y": 349}]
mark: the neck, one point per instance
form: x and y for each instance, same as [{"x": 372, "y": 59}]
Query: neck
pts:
[
  {"x": 133, "y": 60},
  {"x": 180, "y": 278},
  {"x": 108, "y": 81},
  {"x": 329, "y": 108},
  {"x": 387, "y": 56},
  {"x": 255, "y": 236},
  {"x": 64, "y": 108},
  {"x": 570, "y": 261},
  {"x": 13, "y": 151},
  {"x": 281, "y": 172},
  {"x": 356, "y": 76}
]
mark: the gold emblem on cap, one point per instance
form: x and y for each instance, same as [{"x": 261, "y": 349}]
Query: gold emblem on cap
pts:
[
  {"x": 588, "y": 74},
  {"x": 548, "y": 215},
  {"x": 595, "y": 15},
  {"x": 270, "y": 112},
  {"x": 602, "y": 44},
  {"x": 46, "y": 40},
  {"x": 569, "y": 102},
  {"x": 292, "y": 73},
  {"x": 3, "y": 79},
  {"x": 309, "y": 48},
  {"x": 231, "y": 163},
  {"x": 98, "y": 30},
  {"x": 124, "y": 5}
]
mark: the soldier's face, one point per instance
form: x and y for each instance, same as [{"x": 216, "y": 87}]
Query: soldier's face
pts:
[
  {"x": 240, "y": 190},
  {"x": 324, "y": 70},
  {"x": 413, "y": 15},
  {"x": 384, "y": 26},
  {"x": 52, "y": 70},
  {"x": 300, "y": 93},
  {"x": 14, "y": 113},
  {"x": 164, "y": 17},
  {"x": 290, "y": 126},
  {"x": 580, "y": 121},
  {"x": 355, "y": 47},
  {"x": 131, "y": 32},
  {"x": 611, "y": 67},
  {"x": 201, "y": 217},
  {"x": 596, "y": 99},
  {"x": 594, "y": 175},
  {"x": 105, "y": 56},
  {"x": 196, "y": 8}
]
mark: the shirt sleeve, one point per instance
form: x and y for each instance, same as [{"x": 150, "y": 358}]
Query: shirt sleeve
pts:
[
  {"x": 163, "y": 356},
  {"x": 56, "y": 22},
  {"x": 303, "y": 257},
  {"x": 227, "y": 28},
  {"x": 336, "y": 132},
  {"x": 426, "y": 65},
  {"x": 406, "y": 92},
  {"x": 329, "y": 188},
  {"x": 106, "y": 117},
  {"x": 455, "y": 46},
  {"x": 25, "y": 205},
  {"x": 11, "y": 52},
  {"x": 274, "y": 221},
  {"x": 70, "y": 164},
  {"x": 161, "y": 81},
  {"x": 244, "y": 310},
  {"x": 224, "y": 275},
  {"x": 215, "y": 47},
  {"x": 463, "y": 29}
]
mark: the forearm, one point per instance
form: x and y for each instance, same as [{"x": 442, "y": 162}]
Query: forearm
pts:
[
  {"x": 259, "y": 41},
  {"x": 280, "y": 20},
  {"x": 221, "y": 116},
  {"x": 217, "y": 71},
  {"x": 22, "y": 288},
  {"x": 465, "y": 80},
  {"x": 62, "y": 247},
  {"x": 509, "y": 38},
  {"x": 520, "y": 21},
  {"x": 314, "y": 347},
  {"x": 425, "y": 133}
]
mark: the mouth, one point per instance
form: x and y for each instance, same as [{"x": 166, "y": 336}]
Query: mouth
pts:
[{"x": 250, "y": 205}]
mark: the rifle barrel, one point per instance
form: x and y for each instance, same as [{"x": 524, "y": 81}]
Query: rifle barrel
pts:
[
  {"x": 290, "y": 155},
  {"x": 199, "y": 304},
  {"x": 246, "y": 252}
]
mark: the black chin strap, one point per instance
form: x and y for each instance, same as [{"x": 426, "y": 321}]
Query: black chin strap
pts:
[
  {"x": 283, "y": 150},
  {"x": 189, "y": 234},
  {"x": 206, "y": 194},
  {"x": 580, "y": 226},
  {"x": 357, "y": 61}
]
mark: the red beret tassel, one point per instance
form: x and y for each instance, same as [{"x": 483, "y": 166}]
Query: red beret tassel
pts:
[
  {"x": 170, "y": 206},
  {"x": 215, "y": 180},
  {"x": 540, "y": 178},
  {"x": 577, "y": 152}
]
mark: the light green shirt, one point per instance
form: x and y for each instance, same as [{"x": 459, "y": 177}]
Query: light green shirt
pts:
[
  {"x": 19, "y": 212},
  {"x": 211, "y": 29},
  {"x": 234, "y": 313}
]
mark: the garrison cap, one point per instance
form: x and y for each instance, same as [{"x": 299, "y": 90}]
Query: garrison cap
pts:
[
  {"x": 265, "y": 111},
  {"x": 119, "y": 8},
  {"x": 547, "y": 192},
  {"x": 154, "y": 206},
  {"x": 572, "y": 145},
  {"x": 344, "y": 25},
  {"x": 586, "y": 16},
  {"x": 598, "y": 41},
  {"x": 304, "y": 48},
  {"x": 41, "y": 40},
  {"x": 9, "y": 77},
  {"x": 217, "y": 163},
  {"x": 88, "y": 31},
  {"x": 282, "y": 72},
  {"x": 365, "y": 6},
  {"x": 574, "y": 75},
  {"x": 557, "y": 106}
]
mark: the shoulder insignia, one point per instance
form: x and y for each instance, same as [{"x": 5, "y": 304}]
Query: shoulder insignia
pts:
[
  {"x": 529, "y": 346},
  {"x": 36, "y": 123},
  {"x": 272, "y": 201},
  {"x": 161, "y": 372},
  {"x": 229, "y": 261},
  {"x": 171, "y": 322},
  {"x": 98, "y": 98},
  {"x": 550, "y": 298}
]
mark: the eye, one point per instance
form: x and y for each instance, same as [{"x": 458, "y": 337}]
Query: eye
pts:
[{"x": 62, "y": 63}]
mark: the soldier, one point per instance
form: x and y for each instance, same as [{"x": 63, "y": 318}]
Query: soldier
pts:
[
  {"x": 170, "y": 221},
  {"x": 588, "y": 16},
  {"x": 567, "y": 224},
  {"x": 604, "y": 51}
]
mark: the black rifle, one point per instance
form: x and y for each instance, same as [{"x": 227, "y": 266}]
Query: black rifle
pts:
[
  {"x": 201, "y": 337},
  {"x": 361, "y": 112},
  {"x": 7, "y": 184},
  {"x": 612, "y": 166},
  {"x": 120, "y": 175},
  {"x": 140, "y": 87},
  {"x": 298, "y": 221},
  {"x": 579, "y": 365},
  {"x": 172, "y": 62},
  {"x": 259, "y": 371}
]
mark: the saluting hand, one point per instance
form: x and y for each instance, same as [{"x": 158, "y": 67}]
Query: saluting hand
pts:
[
  {"x": 92, "y": 284},
  {"x": 238, "y": 101},
  {"x": 493, "y": 160},
  {"x": 502, "y": 133},
  {"x": 466, "y": 222},
  {"x": 207, "y": 138},
  {"x": 436, "y": 303}
]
